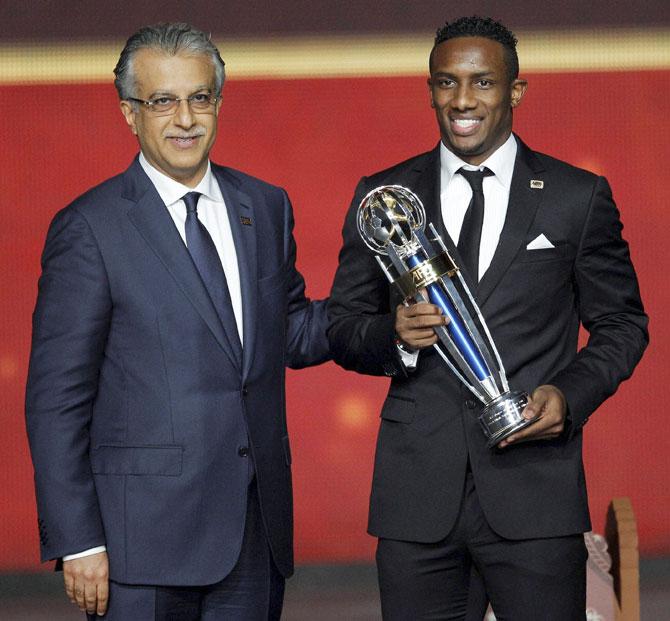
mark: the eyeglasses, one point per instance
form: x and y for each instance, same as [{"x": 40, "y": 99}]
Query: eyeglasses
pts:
[{"x": 202, "y": 103}]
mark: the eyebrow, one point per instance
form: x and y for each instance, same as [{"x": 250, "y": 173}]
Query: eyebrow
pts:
[
  {"x": 479, "y": 74},
  {"x": 197, "y": 89}
]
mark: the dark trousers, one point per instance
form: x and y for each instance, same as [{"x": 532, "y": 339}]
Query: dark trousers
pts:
[
  {"x": 524, "y": 580},
  {"x": 252, "y": 591}
]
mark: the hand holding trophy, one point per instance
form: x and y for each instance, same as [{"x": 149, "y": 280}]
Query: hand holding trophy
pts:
[{"x": 391, "y": 222}]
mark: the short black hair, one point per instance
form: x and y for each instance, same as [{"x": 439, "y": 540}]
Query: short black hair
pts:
[{"x": 486, "y": 27}]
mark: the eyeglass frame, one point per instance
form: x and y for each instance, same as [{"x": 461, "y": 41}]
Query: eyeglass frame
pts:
[{"x": 149, "y": 103}]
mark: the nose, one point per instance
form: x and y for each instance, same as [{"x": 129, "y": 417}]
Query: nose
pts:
[
  {"x": 183, "y": 115},
  {"x": 464, "y": 98}
]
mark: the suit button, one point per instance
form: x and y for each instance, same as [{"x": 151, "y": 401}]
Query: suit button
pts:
[
  {"x": 470, "y": 404},
  {"x": 243, "y": 451},
  {"x": 245, "y": 391}
]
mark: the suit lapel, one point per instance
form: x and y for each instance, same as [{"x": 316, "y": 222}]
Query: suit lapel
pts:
[
  {"x": 243, "y": 227},
  {"x": 154, "y": 223},
  {"x": 522, "y": 206}
]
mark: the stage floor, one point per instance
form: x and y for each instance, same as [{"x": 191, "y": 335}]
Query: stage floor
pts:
[{"x": 326, "y": 593}]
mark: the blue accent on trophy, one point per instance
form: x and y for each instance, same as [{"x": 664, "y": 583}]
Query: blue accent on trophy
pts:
[{"x": 391, "y": 222}]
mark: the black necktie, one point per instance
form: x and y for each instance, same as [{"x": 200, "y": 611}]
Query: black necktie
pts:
[
  {"x": 471, "y": 231},
  {"x": 206, "y": 259}
]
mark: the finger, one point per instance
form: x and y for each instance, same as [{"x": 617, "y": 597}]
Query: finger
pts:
[
  {"x": 424, "y": 321},
  {"x": 539, "y": 438},
  {"x": 79, "y": 595},
  {"x": 91, "y": 597},
  {"x": 409, "y": 331},
  {"x": 516, "y": 439},
  {"x": 539, "y": 427},
  {"x": 69, "y": 586},
  {"x": 420, "y": 333},
  {"x": 416, "y": 342},
  {"x": 536, "y": 404},
  {"x": 423, "y": 343},
  {"x": 543, "y": 429},
  {"x": 421, "y": 308},
  {"x": 103, "y": 597}
]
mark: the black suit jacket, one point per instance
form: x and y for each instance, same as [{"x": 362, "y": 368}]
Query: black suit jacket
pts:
[
  {"x": 139, "y": 417},
  {"x": 533, "y": 302}
]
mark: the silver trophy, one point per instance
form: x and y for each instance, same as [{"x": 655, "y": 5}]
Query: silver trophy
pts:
[{"x": 391, "y": 221}]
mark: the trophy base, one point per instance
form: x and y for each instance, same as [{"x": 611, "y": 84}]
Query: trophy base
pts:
[{"x": 502, "y": 416}]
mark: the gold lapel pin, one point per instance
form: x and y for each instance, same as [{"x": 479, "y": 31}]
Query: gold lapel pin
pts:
[
  {"x": 246, "y": 221},
  {"x": 536, "y": 184}
]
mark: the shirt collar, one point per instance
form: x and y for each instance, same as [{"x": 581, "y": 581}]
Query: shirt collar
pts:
[
  {"x": 500, "y": 162},
  {"x": 171, "y": 191}
]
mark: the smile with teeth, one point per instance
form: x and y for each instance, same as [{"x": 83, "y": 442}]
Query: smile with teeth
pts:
[
  {"x": 465, "y": 126},
  {"x": 466, "y": 122},
  {"x": 183, "y": 141}
]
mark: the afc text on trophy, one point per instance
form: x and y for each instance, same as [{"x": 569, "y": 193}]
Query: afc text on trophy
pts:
[{"x": 391, "y": 221}]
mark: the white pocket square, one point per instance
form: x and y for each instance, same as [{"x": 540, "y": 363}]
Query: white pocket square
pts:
[{"x": 539, "y": 243}]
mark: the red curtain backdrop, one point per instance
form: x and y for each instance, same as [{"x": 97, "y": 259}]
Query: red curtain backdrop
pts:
[{"x": 317, "y": 137}]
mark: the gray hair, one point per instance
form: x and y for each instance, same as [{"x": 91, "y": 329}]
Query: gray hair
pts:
[{"x": 171, "y": 38}]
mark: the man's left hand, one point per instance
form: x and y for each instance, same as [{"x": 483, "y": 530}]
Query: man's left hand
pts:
[{"x": 548, "y": 403}]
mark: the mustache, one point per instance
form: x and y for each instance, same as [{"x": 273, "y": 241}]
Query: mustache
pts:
[{"x": 194, "y": 133}]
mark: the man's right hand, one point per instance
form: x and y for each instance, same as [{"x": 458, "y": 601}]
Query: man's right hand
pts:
[
  {"x": 87, "y": 582},
  {"x": 415, "y": 324}
]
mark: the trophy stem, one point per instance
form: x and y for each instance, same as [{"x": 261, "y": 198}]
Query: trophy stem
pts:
[
  {"x": 391, "y": 222},
  {"x": 459, "y": 333}
]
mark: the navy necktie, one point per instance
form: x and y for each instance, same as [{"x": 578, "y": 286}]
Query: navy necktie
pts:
[
  {"x": 207, "y": 261},
  {"x": 471, "y": 231}
]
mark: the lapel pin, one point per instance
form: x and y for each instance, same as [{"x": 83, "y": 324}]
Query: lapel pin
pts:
[
  {"x": 536, "y": 184},
  {"x": 246, "y": 221}
]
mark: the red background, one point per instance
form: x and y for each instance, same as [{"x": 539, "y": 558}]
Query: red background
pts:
[{"x": 316, "y": 138}]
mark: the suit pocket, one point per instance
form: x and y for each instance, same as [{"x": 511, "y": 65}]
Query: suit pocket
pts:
[
  {"x": 399, "y": 409},
  {"x": 141, "y": 460},
  {"x": 560, "y": 251}
]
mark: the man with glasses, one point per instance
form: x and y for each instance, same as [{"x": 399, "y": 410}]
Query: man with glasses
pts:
[{"x": 168, "y": 307}]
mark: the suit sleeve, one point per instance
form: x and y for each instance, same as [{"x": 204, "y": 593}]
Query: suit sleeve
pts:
[
  {"x": 306, "y": 341},
  {"x": 610, "y": 309},
  {"x": 362, "y": 324},
  {"x": 70, "y": 326}
]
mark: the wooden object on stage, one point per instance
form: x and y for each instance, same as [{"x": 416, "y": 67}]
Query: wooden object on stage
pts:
[
  {"x": 621, "y": 535},
  {"x": 612, "y": 571}
]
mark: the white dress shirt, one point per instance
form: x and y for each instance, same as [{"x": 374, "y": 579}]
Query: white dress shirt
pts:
[
  {"x": 455, "y": 196},
  {"x": 212, "y": 213},
  {"x": 456, "y": 193},
  {"x": 214, "y": 216}
]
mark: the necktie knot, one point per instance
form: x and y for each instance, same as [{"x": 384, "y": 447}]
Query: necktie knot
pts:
[
  {"x": 191, "y": 202},
  {"x": 475, "y": 178}
]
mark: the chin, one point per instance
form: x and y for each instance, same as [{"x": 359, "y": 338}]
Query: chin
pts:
[{"x": 466, "y": 150}]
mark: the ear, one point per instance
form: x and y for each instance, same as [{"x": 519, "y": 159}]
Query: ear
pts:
[
  {"x": 129, "y": 113},
  {"x": 518, "y": 90}
]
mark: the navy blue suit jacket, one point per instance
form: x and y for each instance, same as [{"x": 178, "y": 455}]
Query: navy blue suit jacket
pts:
[{"x": 137, "y": 413}]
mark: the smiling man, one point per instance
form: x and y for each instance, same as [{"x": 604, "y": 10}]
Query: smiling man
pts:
[
  {"x": 168, "y": 306},
  {"x": 540, "y": 245}
]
